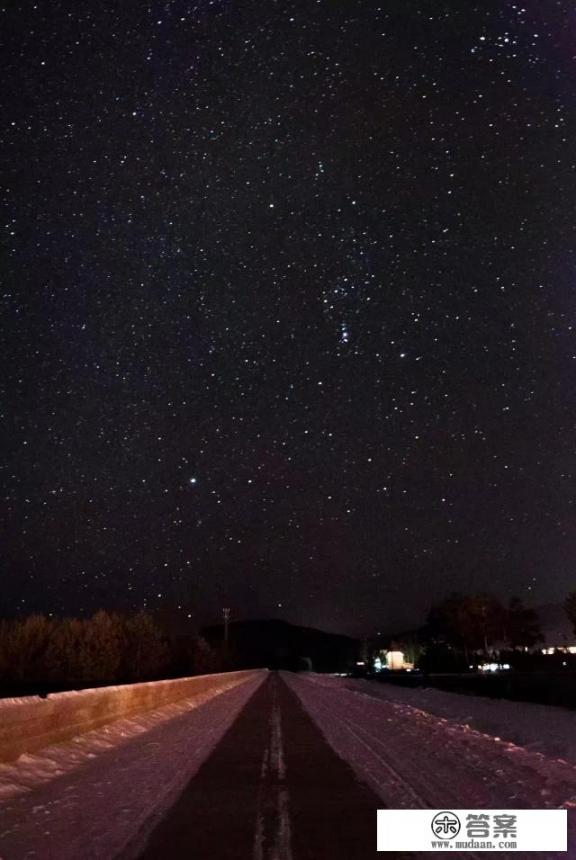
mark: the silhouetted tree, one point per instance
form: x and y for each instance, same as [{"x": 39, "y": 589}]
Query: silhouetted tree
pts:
[
  {"x": 570, "y": 608},
  {"x": 522, "y": 625},
  {"x": 106, "y": 648},
  {"x": 146, "y": 651},
  {"x": 481, "y": 619},
  {"x": 25, "y": 644},
  {"x": 4, "y": 655},
  {"x": 205, "y": 660},
  {"x": 64, "y": 653},
  {"x": 471, "y": 622},
  {"x": 442, "y": 625},
  {"x": 101, "y": 647}
]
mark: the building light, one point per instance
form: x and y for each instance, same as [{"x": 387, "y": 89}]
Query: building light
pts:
[{"x": 395, "y": 659}]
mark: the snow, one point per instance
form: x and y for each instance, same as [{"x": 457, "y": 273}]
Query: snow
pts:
[
  {"x": 99, "y": 795},
  {"x": 548, "y": 729},
  {"x": 414, "y": 758}
]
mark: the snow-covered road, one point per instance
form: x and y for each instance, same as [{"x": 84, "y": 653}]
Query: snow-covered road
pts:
[
  {"x": 252, "y": 772},
  {"x": 414, "y": 758}
]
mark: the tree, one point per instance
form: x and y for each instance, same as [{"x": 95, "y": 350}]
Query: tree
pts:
[
  {"x": 442, "y": 623},
  {"x": 480, "y": 620},
  {"x": 522, "y": 625},
  {"x": 472, "y": 623},
  {"x": 4, "y": 648},
  {"x": 146, "y": 652},
  {"x": 25, "y": 645},
  {"x": 101, "y": 647},
  {"x": 205, "y": 660},
  {"x": 64, "y": 655},
  {"x": 570, "y": 609}
]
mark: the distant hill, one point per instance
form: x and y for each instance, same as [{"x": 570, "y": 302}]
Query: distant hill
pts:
[{"x": 277, "y": 644}]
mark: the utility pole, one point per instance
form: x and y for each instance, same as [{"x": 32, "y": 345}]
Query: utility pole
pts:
[{"x": 226, "y": 613}]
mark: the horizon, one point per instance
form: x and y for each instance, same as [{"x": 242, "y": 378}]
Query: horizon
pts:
[{"x": 196, "y": 622}]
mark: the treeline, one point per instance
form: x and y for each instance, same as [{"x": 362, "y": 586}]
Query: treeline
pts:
[
  {"x": 478, "y": 623},
  {"x": 106, "y": 648},
  {"x": 466, "y": 629}
]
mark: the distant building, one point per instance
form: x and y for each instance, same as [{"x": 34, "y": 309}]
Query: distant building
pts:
[
  {"x": 393, "y": 660},
  {"x": 398, "y": 652}
]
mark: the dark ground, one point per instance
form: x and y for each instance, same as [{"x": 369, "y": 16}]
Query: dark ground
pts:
[{"x": 545, "y": 688}]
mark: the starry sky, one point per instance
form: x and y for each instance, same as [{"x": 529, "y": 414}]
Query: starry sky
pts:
[{"x": 287, "y": 306}]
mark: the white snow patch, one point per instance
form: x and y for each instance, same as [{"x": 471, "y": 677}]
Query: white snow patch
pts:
[{"x": 548, "y": 729}]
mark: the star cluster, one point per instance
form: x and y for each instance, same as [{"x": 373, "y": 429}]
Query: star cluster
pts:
[{"x": 287, "y": 304}]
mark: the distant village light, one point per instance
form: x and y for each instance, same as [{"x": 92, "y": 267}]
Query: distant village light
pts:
[{"x": 395, "y": 660}]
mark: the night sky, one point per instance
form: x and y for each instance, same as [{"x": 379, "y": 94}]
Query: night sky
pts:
[{"x": 288, "y": 318}]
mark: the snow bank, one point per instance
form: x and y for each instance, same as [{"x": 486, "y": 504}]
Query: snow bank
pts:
[
  {"x": 100, "y": 795},
  {"x": 547, "y": 729},
  {"x": 30, "y": 723}
]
